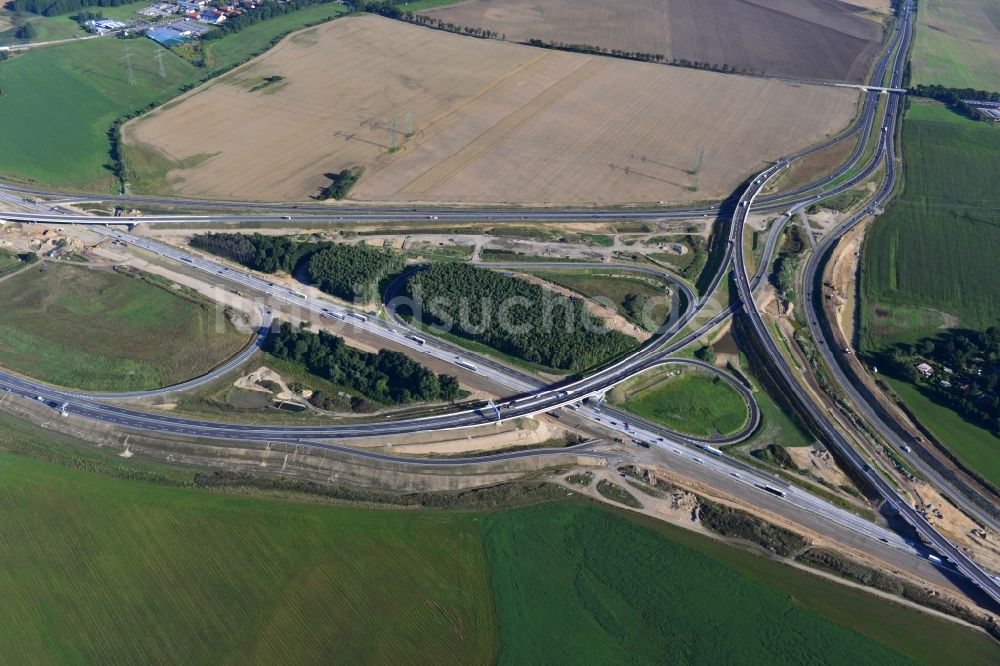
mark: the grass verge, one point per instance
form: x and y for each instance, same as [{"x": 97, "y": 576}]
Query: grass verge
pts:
[{"x": 105, "y": 331}]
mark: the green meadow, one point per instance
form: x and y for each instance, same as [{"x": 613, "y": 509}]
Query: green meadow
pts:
[
  {"x": 98, "y": 567},
  {"x": 101, "y": 330},
  {"x": 933, "y": 255}
]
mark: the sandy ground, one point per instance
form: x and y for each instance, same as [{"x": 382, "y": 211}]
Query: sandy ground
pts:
[
  {"x": 842, "y": 273},
  {"x": 819, "y": 463},
  {"x": 477, "y": 121},
  {"x": 537, "y": 432},
  {"x": 983, "y": 546},
  {"x": 252, "y": 382}
]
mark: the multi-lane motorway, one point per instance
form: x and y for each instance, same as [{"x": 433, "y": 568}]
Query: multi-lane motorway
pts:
[
  {"x": 532, "y": 396},
  {"x": 832, "y": 435}
]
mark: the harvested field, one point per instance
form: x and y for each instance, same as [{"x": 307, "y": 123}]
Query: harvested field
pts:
[
  {"x": 491, "y": 122},
  {"x": 796, "y": 38}
]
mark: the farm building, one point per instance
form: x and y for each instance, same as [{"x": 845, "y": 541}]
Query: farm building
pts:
[{"x": 989, "y": 111}]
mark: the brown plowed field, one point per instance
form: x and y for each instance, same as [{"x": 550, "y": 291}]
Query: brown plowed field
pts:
[
  {"x": 814, "y": 39},
  {"x": 491, "y": 122}
]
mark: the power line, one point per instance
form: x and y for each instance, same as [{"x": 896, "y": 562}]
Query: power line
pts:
[
  {"x": 128, "y": 65},
  {"x": 159, "y": 59}
]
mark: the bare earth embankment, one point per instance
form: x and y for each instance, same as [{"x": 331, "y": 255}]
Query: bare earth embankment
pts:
[
  {"x": 815, "y": 39},
  {"x": 475, "y": 121}
]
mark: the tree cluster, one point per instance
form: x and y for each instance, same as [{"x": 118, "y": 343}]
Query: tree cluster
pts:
[
  {"x": 340, "y": 183},
  {"x": 84, "y": 15},
  {"x": 788, "y": 262},
  {"x": 514, "y": 316},
  {"x": 349, "y": 271},
  {"x": 971, "y": 386},
  {"x": 387, "y": 377},
  {"x": 346, "y": 271},
  {"x": 385, "y": 8},
  {"x": 59, "y": 7},
  {"x": 706, "y": 353},
  {"x": 954, "y": 98},
  {"x": 267, "y": 254},
  {"x": 26, "y": 32},
  {"x": 697, "y": 265}
]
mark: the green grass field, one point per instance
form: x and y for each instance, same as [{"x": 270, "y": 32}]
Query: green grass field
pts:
[
  {"x": 585, "y": 584},
  {"x": 694, "y": 402},
  {"x": 9, "y": 262},
  {"x": 650, "y": 306},
  {"x": 106, "y": 570},
  {"x": 59, "y": 102},
  {"x": 49, "y": 28},
  {"x": 936, "y": 247},
  {"x": 931, "y": 260},
  {"x": 958, "y": 44},
  {"x": 974, "y": 446},
  {"x": 240, "y": 46},
  {"x": 102, "y": 568},
  {"x": 100, "y": 330},
  {"x": 776, "y": 426}
]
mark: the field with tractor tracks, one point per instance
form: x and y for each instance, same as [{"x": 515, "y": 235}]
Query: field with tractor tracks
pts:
[
  {"x": 812, "y": 39},
  {"x": 433, "y": 116}
]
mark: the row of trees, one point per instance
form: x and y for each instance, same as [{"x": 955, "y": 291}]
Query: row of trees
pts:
[
  {"x": 439, "y": 24},
  {"x": 387, "y": 377},
  {"x": 59, "y": 7},
  {"x": 346, "y": 271},
  {"x": 971, "y": 386},
  {"x": 954, "y": 98},
  {"x": 389, "y": 8},
  {"x": 636, "y": 55},
  {"x": 514, "y": 316}
]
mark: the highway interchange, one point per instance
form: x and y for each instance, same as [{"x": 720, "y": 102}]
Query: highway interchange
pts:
[{"x": 531, "y": 395}]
